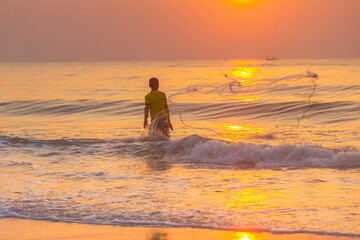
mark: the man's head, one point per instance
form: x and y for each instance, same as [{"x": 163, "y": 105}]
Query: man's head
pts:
[{"x": 154, "y": 84}]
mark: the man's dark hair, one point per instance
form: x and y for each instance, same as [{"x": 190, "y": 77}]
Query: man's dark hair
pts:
[{"x": 154, "y": 83}]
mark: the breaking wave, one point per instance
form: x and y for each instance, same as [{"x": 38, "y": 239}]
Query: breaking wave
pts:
[{"x": 198, "y": 150}]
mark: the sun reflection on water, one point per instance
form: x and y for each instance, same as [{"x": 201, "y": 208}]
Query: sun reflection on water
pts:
[
  {"x": 244, "y": 72},
  {"x": 244, "y": 236},
  {"x": 241, "y": 132},
  {"x": 247, "y": 99},
  {"x": 245, "y": 75}
]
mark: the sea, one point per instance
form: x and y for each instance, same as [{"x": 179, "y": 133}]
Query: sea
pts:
[{"x": 257, "y": 145}]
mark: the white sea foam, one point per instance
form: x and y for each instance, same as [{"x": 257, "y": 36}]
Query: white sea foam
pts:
[
  {"x": 116, "y": 220},
  {"x": 198, "y": 150}
]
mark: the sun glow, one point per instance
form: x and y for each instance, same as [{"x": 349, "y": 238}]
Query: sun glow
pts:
[{"x": 243, "y": 2}]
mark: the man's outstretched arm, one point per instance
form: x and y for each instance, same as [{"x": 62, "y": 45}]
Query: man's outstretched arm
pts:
[
  {"x": 146, "y": 114},
  {"x": 168, "y": 116}
]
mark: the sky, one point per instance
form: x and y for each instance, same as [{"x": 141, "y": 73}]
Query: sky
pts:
[{"x": 118, "y": 30}]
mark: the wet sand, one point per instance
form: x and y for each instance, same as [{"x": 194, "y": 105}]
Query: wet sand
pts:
[{"x": 22, "y": 229}]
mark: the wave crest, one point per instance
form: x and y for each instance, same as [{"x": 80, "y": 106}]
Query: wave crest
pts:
[
  {"x": 209, "y": 151},
  {"x": 200, "y": 150}
]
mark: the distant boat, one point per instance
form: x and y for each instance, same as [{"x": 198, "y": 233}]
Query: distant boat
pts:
[{"x": 273, "y": 58}]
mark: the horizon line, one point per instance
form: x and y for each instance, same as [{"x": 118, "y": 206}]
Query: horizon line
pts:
[{"x": 179, "y": 60}]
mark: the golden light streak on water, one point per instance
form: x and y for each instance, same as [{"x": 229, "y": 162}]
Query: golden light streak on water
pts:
[
  {"x": 245, "y": 75},
  {"x": 249, "y": 201},
  {"x": 247, "y": 99},
  {"x": 235, "y": 133},
  {"x": 244, "y": 236},
  {"x": 235, "y": 127},
  {"x": 244, "y": 72}
]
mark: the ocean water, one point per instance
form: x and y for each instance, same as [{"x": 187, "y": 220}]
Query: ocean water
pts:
[{"x": 256, "y": 144}]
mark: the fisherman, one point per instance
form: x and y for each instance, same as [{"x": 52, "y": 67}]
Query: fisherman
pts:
[{"x": 156, "y": 103}]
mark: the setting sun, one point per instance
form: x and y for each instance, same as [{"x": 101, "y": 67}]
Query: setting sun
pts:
[{"x": 243, "y": 2}]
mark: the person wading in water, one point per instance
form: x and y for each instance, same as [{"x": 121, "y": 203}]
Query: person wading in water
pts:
[{"x": 156, "y": 103}]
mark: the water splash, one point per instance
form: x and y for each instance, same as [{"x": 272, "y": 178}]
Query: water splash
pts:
[{"x": 153, "y": 132}]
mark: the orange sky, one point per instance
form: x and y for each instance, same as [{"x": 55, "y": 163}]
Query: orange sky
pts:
[{"x": 96, "y": 30}]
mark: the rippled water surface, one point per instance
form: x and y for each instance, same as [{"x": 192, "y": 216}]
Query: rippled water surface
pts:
[{"x": 278, "y": 153}]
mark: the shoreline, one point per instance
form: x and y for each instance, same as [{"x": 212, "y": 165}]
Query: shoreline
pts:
[{"x": 29, "y": 229}]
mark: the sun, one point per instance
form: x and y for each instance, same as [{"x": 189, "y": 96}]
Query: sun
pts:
[{"x": 243, "y": 3}]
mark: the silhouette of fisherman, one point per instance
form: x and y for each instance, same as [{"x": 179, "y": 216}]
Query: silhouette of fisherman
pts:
[{"x": 156, "y": 103}]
